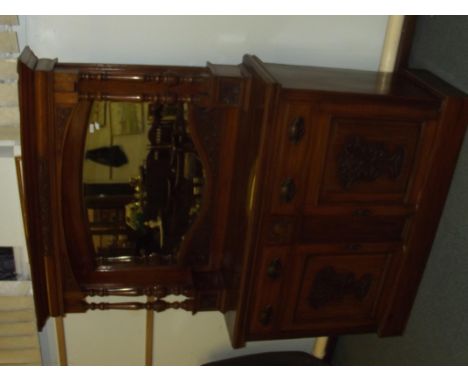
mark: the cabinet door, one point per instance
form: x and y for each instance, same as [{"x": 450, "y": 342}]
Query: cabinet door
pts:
[
  {"x": 368, "y": 153},
  {"x": 332, "y": 292}
]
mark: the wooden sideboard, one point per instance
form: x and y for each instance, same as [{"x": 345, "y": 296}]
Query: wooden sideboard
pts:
[{"x": 322, "y": 190}]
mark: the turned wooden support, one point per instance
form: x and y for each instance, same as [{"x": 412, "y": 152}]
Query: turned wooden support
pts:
[
  {"x": 158, "y": 291},
  {"x": 158, "y": 305},
  {"x": 167, "y": 98},
  {"x": 167, "y": 78}
]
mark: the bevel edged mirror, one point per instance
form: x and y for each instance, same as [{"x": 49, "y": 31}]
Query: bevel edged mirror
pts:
[{"x": 142, "y": 181}]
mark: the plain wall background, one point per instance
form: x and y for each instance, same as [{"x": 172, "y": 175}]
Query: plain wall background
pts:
[
  {"x": 336, "y": 41},
  {"x": 105, "y": 338},
  {"x": 11, "y": 227}
]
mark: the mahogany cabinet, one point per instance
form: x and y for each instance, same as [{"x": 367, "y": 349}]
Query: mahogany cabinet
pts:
[
  {"x": 351, "y": 176},
  {"x": 298, "y": 201}
]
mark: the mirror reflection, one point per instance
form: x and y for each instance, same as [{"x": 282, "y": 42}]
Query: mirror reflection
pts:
[{"x": 143, "y": 181}]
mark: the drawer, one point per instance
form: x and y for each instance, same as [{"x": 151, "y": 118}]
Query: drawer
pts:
[
  {"x": 279, "y": 229},
  {"x": 269, "y": 280},
  {"x": 321, "y": 229},
  {"x": 292, "y": 143},
  {"x": 341, "y": 225},
  {"x": 334, "y": 291}
]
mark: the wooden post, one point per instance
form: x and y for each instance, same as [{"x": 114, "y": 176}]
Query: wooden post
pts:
[
  {"x": 320, "y": 347},
  {"x": 61, "y": 344},
  {"x": 149, "y": 334}
]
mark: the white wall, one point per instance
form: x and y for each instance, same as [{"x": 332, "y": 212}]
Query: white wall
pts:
[
  {"x": 11, "y": 221},
  {"x": 336, "y": 41},
  {"x": 180, "y": 338},
  {"x": 112, "y": 337},
  {"x": 106, "y": 338}
]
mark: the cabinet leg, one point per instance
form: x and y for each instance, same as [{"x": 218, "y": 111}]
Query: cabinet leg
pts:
[{"x": 61, "y": 343}]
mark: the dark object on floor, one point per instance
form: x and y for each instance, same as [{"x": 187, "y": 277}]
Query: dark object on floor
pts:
[
  {"x": 282, "y": 358},
  {"x": 110, "y": 156},
  {"x": 7, "y": 264}
]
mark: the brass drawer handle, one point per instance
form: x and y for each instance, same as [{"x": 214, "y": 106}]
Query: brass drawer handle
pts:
[
  {"x": 361, "y": 212},
  {"x": 266, "y": 315},
  {"x": 288, "y": 190},
  {"x": 274, "y": 269},
  {"x": 296, "y": 130}
]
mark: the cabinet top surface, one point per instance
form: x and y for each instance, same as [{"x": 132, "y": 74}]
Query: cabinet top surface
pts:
[{"x": 346, "y": 81}]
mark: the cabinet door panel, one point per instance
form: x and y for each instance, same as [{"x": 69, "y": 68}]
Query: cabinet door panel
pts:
[
  {"x": 332, "y": 290},
  {"x": 368, "y": 159}
]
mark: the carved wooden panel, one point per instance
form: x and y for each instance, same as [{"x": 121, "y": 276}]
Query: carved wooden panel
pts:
[
  {"x": 329, "y": 289},
  {"x": 331, "y": 286},
  {"x": 361, "y": 160},
  {"x": 367, "y": 160}
]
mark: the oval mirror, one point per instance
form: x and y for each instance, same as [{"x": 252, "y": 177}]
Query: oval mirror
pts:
[{"x": 143, "y": 181}]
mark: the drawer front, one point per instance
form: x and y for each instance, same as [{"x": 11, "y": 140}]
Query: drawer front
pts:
[
  {"x": 269, "y": 279},
  {"x": 279, "y": 229},
  {"x": 334, "y": 291},
  {"x": 293, "y": 132},
  {"x": 355, "y": 225}
]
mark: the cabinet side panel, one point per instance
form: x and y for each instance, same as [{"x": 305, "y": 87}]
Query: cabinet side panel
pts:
[
  {"x": 26, "y": 78},
  {"x": 452, "y": 126},
  {"x": 246, "y": 202}
]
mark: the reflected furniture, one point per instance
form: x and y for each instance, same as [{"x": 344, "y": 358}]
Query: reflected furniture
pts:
[{"x": 308, "y": 207}]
